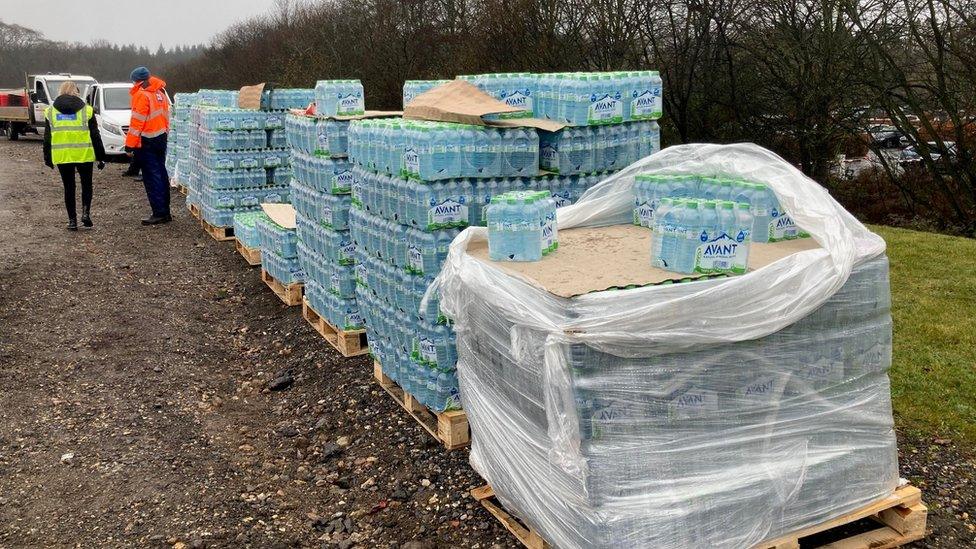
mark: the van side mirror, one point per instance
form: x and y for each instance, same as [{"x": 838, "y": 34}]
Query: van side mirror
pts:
[{"x": 33, "y": 97}]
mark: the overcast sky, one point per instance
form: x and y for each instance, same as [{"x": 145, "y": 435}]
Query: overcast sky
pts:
[{"x": 140, "y": 22}]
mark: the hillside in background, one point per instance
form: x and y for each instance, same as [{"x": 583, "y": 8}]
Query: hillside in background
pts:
[{"x": 25, "y": 50}]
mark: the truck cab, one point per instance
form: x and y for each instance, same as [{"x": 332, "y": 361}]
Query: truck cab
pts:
[
  {"x": 111, "y": 102},
  {"x": 43, "y": 90},
  {"x": 26, "y": 114}
]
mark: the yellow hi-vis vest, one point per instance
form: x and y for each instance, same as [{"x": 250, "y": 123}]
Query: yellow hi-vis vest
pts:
[{"x": 70, "y": 141}]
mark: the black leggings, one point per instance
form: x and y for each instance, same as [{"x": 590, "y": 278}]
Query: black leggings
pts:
[{"x": 68, "y": 178}]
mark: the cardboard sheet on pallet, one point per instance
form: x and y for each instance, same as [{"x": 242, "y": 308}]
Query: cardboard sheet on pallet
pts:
[
  {"x": 591, "y": 259},
  {"x": 462, "y": 102},
  {"x": 249, "y": 97},
  {"x": 365, "y": 115},
  {"x": 282, "y": 214}
]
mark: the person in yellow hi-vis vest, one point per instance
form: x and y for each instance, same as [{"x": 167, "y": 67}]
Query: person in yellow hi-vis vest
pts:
[{"x": 73, "y": 144}]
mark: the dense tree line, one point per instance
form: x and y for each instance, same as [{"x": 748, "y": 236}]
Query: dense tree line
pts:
[
  {"x": 26, "y": 51},
  {"x": 803, "y": 77}
]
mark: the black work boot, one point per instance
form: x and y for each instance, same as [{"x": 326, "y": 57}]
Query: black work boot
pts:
[
  {"x": 86, "y": 216},
  {"x": 156, "y": 219},
  {"x": 72, "y": 224}
]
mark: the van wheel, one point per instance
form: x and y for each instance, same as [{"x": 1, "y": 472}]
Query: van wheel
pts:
[{"x": 13, "y": 131}]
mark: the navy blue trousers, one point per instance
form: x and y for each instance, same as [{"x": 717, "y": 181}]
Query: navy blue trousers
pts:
[{"x": 152, "y": 159}]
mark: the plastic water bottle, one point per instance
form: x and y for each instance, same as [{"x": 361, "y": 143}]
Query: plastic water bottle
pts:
[
  {"x": 728, "y": 222},
  {"x": 550, "y": 230},
  {"x": 765, "y": 210}
]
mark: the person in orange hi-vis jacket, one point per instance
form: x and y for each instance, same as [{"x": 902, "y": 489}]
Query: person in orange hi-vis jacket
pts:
[{"x": 146, "y": 139}]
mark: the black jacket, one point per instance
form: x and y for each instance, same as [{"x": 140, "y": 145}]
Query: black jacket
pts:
[{"x": 70, "y": 104}]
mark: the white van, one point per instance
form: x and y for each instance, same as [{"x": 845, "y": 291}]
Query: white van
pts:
[{"x": 111, "y": 104}]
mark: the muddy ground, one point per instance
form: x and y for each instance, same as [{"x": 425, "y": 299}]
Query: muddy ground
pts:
[{"x": 135, "y": 410}]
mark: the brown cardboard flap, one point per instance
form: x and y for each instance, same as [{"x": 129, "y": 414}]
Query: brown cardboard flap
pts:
[
  {"x": 462, "y": 102},
  {"x": 592, "y": 259},
  {"x": 367, "y": 114},
  {"x": 250, "y": 97},
  {"x": 537, "y": 123},
  {"x": 282, "y": 214},
  {"x": 370, "y": 114}
]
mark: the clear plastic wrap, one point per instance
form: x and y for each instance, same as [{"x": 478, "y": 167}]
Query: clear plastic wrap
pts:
[{"x": 717, "y": 413}]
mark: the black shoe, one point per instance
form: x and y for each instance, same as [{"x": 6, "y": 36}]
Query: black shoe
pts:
[
  {"x": 156, "y": 220},
  {"x": 72, "y": 224},
  {"x": 86, "y": 217}
]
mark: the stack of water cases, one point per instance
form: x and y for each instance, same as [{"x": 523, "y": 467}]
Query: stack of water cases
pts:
[
  {"x": 178, "y": 143},
  {"x": 242, "y": 157},
  {"x": 320, "y": 192},
  {"x": 720, "y": 447},
  {"x": 246, "y": 230},
  {"x": 705, "y": 224},
  {"x": 279, "y": 251},
  {"x": 611, "y": 115},
  {"x": 417, "y": 184},
  {"x": 188, "y": 172}
]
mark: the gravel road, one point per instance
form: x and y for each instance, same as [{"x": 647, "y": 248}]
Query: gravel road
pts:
[{"x": 135, "y": 408}]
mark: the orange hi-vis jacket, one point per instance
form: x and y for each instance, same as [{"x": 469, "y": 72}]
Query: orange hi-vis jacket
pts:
[{"x": 150, "y": 112}]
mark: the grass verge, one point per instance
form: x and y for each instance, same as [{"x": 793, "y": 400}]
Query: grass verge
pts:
[{"x": 933, "y": 372}]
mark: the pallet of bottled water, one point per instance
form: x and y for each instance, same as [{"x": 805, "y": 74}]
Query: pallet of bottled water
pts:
[
  {"x": 316, "y": 136},
  {"x": 709, "y": 413}
]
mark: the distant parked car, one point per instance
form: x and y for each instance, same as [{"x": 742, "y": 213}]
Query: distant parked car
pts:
[
  {"x": 885, "y": 136},
  {"x": 911, "y": 155}
]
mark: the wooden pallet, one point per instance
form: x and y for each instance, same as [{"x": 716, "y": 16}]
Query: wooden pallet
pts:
[
  {"x": 449, "y": 427},
  {"x": 529, "y": 538},
  {"x": 290, "y": 294},
  {"x": 194, "y": 211},
  {"x": 348, "y": 343},
  {"x": 900, "y": 517},
  {"x": 183, "y": 189},
  {"x": 220, "y": 234},
  {"x": 251, "y": 255}
]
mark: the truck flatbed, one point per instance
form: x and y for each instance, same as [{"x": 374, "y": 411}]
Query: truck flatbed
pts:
[{"x": 15, "y": 114}]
